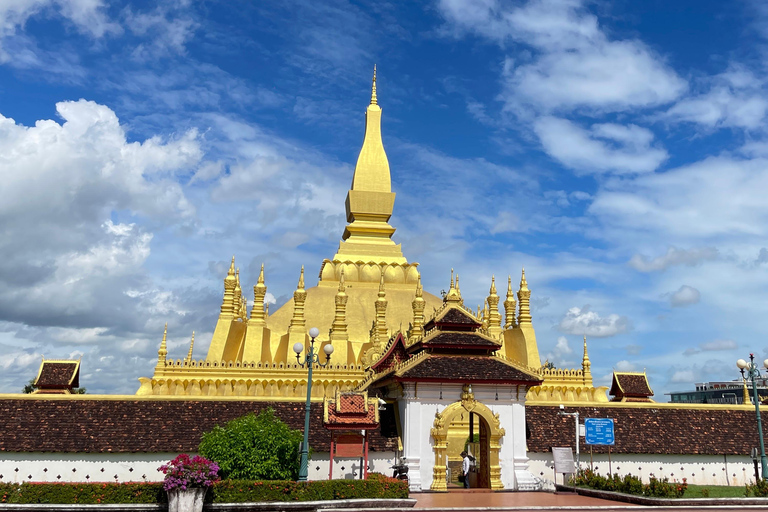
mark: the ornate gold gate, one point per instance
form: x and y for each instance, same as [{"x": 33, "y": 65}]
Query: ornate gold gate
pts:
[{"x": 439, "y": 433}]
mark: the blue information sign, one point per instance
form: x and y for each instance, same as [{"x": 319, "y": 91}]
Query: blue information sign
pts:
[{"x": 598, "y": 431}]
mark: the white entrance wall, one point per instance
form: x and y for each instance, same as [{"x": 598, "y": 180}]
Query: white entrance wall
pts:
[
  {"x": 696, "y": 469},
  {"x": 420, "y": 402}
]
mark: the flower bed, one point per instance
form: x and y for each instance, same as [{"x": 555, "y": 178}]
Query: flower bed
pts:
[
  {"x": 629, "y": 484},
  {"x": 226, "y": 491}
]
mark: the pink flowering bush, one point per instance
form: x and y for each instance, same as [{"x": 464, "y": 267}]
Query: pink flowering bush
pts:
[{"x": 184, "y": 472}]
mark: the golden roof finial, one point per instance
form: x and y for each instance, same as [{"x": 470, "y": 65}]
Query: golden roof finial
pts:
[
  {"x": 523, "y": 282},
  {"x": 458, "y": 290},
  {"x": 163, "y": 345},
  {"x": 261, "y": 275},
  {"x": 419, "y": 289},
  {"x": 301, "y": 279},
  {"x": 585, "y": 363},
  {"x": 232, "y": 267},
  {"x": 191, "y": 346},
  {"x": 452, "y": 280},
  {"x": 493, "y": 285},
  {"x": 374, "y": 100},
  {"x": 509, "y": 286}
]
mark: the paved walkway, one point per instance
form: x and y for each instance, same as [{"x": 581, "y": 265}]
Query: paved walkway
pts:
[{"x": 481, "y": 498}]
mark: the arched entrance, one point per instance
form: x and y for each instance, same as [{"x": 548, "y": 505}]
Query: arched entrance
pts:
[{"x": 490, "y": 436}]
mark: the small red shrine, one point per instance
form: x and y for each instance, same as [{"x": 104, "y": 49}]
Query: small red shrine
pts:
[{"x": 349, "y": 416}]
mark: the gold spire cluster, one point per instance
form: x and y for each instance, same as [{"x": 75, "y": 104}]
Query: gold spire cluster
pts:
[{"x": 418, "y": 304}]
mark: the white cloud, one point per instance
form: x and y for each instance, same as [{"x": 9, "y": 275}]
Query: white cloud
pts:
[
  {"x": 87, "y": 16},
  {"x": 685, "y": 296},
  {"x": 625, "y": 366},
  {"x": 166, "y": 31},
  {"x": 673, "y": 257},
  {"x": 716, "y": 198},
  {"x": 712, "y": 346},
  {"x": 734, "y": 98},
  {"x": 683, "y": 376},
  {"x": 604, "y": 148},
  {"x": 574, "y": 63},
  {"x": 561, "y": 353},
  {"x": 582, "y": 321}
]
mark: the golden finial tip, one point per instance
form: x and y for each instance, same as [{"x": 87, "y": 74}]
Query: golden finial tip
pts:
[{"x": 374, "y": 100}]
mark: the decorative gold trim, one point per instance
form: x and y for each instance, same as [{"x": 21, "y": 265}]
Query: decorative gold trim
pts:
[{"x": 439, "y": 433}]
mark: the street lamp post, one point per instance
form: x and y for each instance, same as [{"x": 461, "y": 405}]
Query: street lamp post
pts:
[
  {"x": 752, "y": 372},
  {"x": 575, "y": 417},
  {"x": 310, "y": 359}
]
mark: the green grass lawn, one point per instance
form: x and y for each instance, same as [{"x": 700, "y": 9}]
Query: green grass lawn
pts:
[{"x": 715, "y": 491}]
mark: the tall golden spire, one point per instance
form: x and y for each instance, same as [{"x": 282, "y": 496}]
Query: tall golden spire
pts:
[
  {"x": 418, "y": 304},
  {"x": 298, "y": 325},
  {"x": 163, "y": 352},
  {"x": 381, "y": 334},
  {"x": 339, "y": 325},
  {"x": 586, "y": 365},
  {"x": 370, "y": 200},
  {"x": 494, "y": 318},
  {"x": 374, "y": 100},
  {"x": 509, "y": 306},
  {"x": 191, "y": 347},
  {"x": 230, "y": 283},
  {"x": 524, "y": 296},
  {"x": 259, "y": 292}
]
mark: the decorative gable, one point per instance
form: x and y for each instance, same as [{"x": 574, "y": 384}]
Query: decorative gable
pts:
[
  {"x": 630, "y": 387},
  {"x": 394, "y": 353},
  {"x": 351, "y": 410},
  {"x": 57, "y": 376}
]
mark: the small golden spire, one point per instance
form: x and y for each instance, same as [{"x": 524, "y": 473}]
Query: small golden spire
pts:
[
  {"x": 417, "y": 327},
  {"x": 261, "y": 275},
  {"x": 259, "y": 292},
  {"x": 454, "y": 294},
  {"x": 523, "y": 282},
  {"x": 374, "y": 100},
  {"x": 232, "y": 267},
  {"x": 492, "y": 305},
  {"x": 301, "y": 279},
  {"x": 524, "y": 296},
  {"x": 493, "y": 285},
  {"x": 381, "y": 285},
  {"x": 458, "y": 290},
  {"x": 191, "y": 346},
  {"x": 509, "y": 306},
  {"x": 585, "y": 363},
  {"x": 452, "y": 286},
  {"x": 342, "y": 285},
  {"x": 163, "y": 345},
  {"x": 419, "y": 289}
]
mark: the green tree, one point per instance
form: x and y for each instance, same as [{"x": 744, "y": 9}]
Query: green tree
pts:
[
  {"x": 78, "y": 391},
  {"x": 254, "y": 448},
  {"x": 29, "y": 387}
]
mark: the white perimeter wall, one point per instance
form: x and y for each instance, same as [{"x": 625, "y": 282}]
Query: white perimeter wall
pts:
[
  {"x": 142, "y": 467},
  {"x": 697, "y": 469}
]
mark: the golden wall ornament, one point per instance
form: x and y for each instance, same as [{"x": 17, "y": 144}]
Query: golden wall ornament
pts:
[
  {"x": 439, "y": 434},
  {"x": 468, "y": 401}
]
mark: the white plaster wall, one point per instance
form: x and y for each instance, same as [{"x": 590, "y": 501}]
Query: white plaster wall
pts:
[
  {"x": 82, "y": 467},
  {"x": 378, "y": 462},
  {"x": 420, "y": 404},
  {"x": 696, "y": 469}
]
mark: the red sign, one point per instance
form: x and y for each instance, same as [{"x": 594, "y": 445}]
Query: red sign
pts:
[{"x": 349, "y": 445}]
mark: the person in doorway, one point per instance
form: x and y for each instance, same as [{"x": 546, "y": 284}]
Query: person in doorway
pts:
[{"x": 465, "y": 468}]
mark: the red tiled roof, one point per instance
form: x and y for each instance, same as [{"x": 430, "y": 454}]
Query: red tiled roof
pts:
[
  {"x": 58, "y": 375},
  {"x": 152, "y": 426},
  {"x": 627, "y": 384},
  {"x": 451, "y": 368},
  {"x": 450, "y": 339},
  {"x": 671, "y": 431}
]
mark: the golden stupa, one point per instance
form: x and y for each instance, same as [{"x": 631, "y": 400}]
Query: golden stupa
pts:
[{"x": 365, "y": 295}]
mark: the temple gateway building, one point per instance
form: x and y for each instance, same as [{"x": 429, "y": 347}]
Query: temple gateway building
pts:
[{"x": 422, "y": 377}]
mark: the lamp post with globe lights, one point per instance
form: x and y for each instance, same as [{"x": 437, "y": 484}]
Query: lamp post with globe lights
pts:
[
  {"x": 310, "y": 359},
  {"x": 750, "y": 370}
]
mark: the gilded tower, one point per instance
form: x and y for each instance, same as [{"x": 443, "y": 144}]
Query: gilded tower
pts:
[{"x": 363, "y": 295}]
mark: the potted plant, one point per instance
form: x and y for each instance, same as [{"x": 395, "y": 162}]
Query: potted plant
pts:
[{"x": 187, "y": 479}]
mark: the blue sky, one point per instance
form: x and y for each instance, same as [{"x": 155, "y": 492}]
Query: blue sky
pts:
[{"x": 617, "y": 150}]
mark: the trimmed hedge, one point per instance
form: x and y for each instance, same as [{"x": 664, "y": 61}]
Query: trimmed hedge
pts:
[
  {"x": 630, "y": 484},
  {"x": 226, "y": 491}
]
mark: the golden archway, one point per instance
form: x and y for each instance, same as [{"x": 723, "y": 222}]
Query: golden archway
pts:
[{"x": 439, "y": 433}]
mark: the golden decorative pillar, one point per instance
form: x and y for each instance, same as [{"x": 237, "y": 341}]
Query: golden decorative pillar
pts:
[
  {"x": 418, "y": 304},
  {"x": 510, "y": 306},
  {"x": 339, "y": 336},
  {"x": 381, "y": 333},
  {"x": 162, "y": 353},
  {"x": 586, "y": 365},
  {"x": 524, "y": 296},
  {"x": 259, "y": 292},
  {"x": 297, "y": 331},
  {"x": 191, "y": 347},
  {"x": 494, "y": 317}
]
